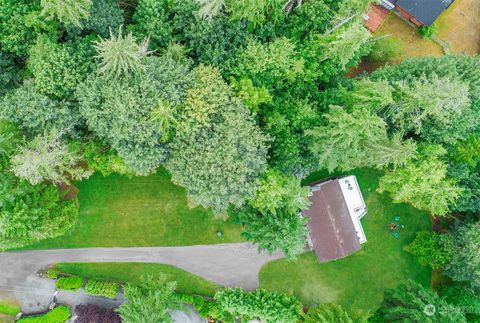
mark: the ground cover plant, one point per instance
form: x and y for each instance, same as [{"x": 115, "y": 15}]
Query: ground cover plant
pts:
[
  {"x": 101, "y": 288},
  {"x": 70, "y": 283}
]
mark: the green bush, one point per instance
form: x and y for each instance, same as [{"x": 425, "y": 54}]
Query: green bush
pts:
[
  {"x": 385, "y": 48},
  {"x": 102, "y": 288},
  {"x": 53, "y": 273},
  {"x": 205, "y": 307},
  {"x": 100, "y": 157},
  {"x": 428, "y": 31},
  {"x": 30, "y": 213},
  {"x": 59, "y": 314},
  {"x": 71, "y": 283},
  {"x": 259, "y": 304},
  {"x": 428, "y": 249}
]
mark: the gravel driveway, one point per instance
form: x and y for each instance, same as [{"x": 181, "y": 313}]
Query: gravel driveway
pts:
[{"x": 232, "y": 264}]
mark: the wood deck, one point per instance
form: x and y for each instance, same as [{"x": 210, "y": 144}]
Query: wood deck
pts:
[{"x": 375, "y": 17}]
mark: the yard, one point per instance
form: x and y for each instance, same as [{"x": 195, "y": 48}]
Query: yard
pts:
[
  {"x": 118, "y": 211},
  {"x": 411, "y": 43},
  {"x": 459, "y": 26},
  {"x": 150, "y": 211},
  {"x": 358, "y": 281}
]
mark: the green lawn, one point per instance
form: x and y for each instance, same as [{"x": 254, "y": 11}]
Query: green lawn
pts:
[
  {"x": 358, "y": 281},
  {"x": 9, "y": 309},
  {"x": 150, "y": 211},
  {"x": 132, "y": 272},
  {"x": 118, "y": 211}
]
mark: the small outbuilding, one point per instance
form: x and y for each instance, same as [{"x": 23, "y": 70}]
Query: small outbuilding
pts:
[{"x": 336, "y": 208}]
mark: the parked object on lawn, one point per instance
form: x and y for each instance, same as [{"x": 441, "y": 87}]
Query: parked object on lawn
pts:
[{"x": 336, "y": 208}]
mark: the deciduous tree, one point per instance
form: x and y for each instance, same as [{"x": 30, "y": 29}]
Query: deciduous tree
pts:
[
  {"x": 218, "y": 151},
  {"x": 122, "y": 111},
  {"x": 422, "y": 183},
  {"x": 30, "y": 213},
  {"x": 47, "y": 158}
]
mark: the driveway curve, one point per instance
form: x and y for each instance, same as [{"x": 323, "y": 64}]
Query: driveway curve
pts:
[{"x": 232, "y": 264}]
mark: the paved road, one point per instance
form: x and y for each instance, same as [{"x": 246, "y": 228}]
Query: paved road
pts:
[{"x": 235, "y": 264}]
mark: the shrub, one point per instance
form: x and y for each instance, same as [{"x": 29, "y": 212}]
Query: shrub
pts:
[
  {"x": 205, "y": 307},
  {"x": 259, "y": 304},
  {"x": 385, "y": 48},
  {"x": 59, "y": 314},
  {"x": 89, "y": 313},
  {"x": 102, "y": 288},
  {"x": 70, "y": 283},
  {"x": 100, "y": 157},
  {"x": 428, "y": 31},
  {"x": 428, "y": 249},
  {"x": 30, "y": 213},
  {"x": 53, "y": 273}
]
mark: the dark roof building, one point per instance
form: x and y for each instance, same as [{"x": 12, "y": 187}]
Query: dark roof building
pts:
[
  {"x": 419, "y": 12},
  {"x": 335, "y": 211}
]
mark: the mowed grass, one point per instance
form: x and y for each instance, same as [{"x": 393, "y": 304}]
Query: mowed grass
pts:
[
  {"x": 411, "y": 43},
  {"x": 357, "y": 281},
  {"x": 117, "y": 211},
  {"x": 187, "y": 283},
  {"x": 9, "y": 308}
]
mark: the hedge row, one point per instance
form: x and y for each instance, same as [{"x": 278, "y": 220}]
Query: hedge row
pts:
[
  {"x": 71, "y": 283},
  {"x": 59, "y": 314},
  {"x": 102, "y": 288}
]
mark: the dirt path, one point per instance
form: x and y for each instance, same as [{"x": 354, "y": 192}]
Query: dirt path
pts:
[{"x": 234, "y": 264}]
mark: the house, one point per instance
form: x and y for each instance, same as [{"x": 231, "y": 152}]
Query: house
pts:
[
  {"x": 336, "y": 208},
  {"x": 419, "y": 12}
]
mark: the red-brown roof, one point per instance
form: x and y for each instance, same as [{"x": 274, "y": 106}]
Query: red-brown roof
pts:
[{"x": 332, "y": 231}]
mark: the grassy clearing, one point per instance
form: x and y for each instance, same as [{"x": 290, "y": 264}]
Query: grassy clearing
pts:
[
  {"x": 132, "y": 272},
  {"x": 459, "y": 26},
  {"x": 412, "y": 44},
  {"x": 117, "y": 211},
  {"x": 359, "y": 280},
  {"x": 9, "y": 308}
]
